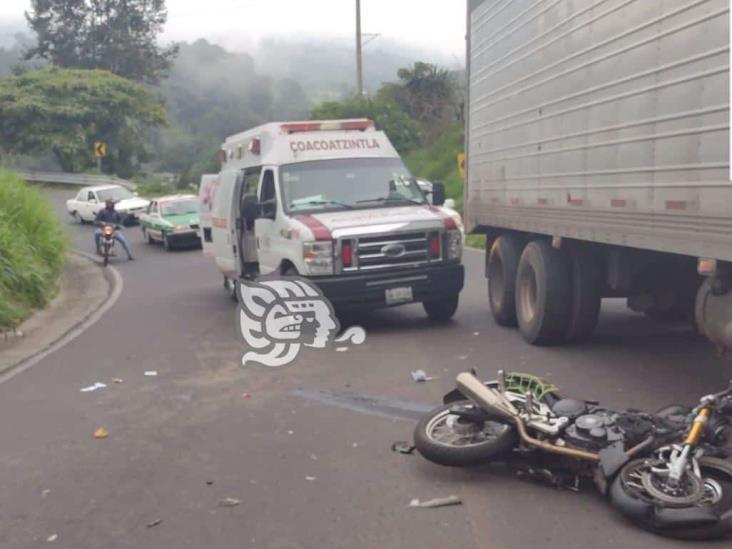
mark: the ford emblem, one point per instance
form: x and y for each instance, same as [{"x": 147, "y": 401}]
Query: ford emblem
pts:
[{"x": 393, "y": 250}]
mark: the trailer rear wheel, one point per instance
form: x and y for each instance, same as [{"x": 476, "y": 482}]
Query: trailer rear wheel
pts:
[
  {"x": 501, "y": 270},
  {"x": 543, "y": 294},
  {"x": 586, "y": 288}
]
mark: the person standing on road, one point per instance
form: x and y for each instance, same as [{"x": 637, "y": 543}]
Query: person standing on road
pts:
[{"x": 109, "y": 216}]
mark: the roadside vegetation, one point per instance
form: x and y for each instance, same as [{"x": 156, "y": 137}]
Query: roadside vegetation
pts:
[{"x": 33, "y": 246}]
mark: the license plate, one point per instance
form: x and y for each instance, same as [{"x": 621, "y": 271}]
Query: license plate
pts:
[{"x": 399, "y": 295}]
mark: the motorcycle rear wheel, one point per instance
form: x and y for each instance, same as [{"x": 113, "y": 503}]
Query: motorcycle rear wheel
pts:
[
  {"x": 447, "y": 439},
  {"x": 642, "y": 509}
]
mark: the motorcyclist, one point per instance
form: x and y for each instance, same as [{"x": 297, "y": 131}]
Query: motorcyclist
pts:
[{"x": 109, "y": 216}]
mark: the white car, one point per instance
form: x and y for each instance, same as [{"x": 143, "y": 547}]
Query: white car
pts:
[{"x": 87, "y": 203}]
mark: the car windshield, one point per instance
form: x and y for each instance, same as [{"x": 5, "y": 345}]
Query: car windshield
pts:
[
  {"x": 181, "y": 207},
  {"x": 114, "y": 193},
  {"x": 348, "y": 184}
]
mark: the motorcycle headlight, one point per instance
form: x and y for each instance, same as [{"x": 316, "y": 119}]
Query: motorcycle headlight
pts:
[
  {"x": 453, "y": 245},
  {"x": 108, "y": 230},
  {"x": 318, "y": 257}
]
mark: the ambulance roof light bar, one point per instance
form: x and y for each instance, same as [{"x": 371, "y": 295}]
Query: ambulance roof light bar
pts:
[{"x": 361, "y": 124}]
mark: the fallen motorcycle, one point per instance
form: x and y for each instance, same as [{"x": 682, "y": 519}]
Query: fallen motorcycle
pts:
[{"x": 669, "y": 472}]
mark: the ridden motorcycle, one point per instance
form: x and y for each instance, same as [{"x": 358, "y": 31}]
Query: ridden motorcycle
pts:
[
  {"x": 106, "y": 243},
  {"x": 669, "y": 472}
]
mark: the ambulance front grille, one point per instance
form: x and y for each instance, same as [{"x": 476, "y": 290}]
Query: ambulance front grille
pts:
[{"x": 389, "y": 251}]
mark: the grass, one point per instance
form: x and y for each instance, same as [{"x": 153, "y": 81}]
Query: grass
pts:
[
  {"x": 153, "y": 187},
  {"x": 33, "y": 246}
]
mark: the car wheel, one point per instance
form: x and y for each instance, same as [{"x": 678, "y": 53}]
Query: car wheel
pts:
[{"x": 77, "y": 217}]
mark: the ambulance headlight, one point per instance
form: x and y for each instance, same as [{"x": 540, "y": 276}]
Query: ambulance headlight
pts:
[
  {"x": 454, "y": 244},
  {"x": 318, "y": 257}
]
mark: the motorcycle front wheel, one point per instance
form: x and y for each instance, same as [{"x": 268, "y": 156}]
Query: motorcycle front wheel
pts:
[
  {"x": 710, "y": 517},
  {"x": 447, "y": 438}
]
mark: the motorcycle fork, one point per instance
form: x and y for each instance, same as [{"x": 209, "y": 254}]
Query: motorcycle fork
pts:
[{"x": 679, "y": 465}]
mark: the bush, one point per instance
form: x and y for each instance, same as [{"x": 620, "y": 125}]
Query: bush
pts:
[
  {"x": 153, "y": 187},
  {"x": 438, "y": 162},
  {"x": 33, "y": 246}
]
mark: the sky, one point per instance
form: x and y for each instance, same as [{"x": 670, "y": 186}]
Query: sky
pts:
[{"x": 431, "y": 25}]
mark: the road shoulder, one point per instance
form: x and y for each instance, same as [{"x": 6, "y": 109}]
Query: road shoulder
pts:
[{"x": 86, "y": 290}]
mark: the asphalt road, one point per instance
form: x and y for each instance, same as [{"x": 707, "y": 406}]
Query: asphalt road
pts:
[{"x": 308, "y": 453}]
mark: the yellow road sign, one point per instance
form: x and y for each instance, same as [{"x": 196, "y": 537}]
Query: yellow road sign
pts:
[
  {"x": 100, "y": 150},
  {"x": 461, "y": 164}
]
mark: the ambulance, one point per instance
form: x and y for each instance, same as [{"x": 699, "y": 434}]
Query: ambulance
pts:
[{"x": 331, "y": 201}]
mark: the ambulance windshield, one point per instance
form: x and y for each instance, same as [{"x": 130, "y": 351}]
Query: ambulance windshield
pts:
[{"x": 348, "y": 184}]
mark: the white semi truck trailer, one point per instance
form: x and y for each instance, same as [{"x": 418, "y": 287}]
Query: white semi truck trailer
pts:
[{"x": 598, "y": 161}]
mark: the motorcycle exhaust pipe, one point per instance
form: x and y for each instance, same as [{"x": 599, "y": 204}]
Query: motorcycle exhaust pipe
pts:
[
  {"x": 487, "y": 398},
  {"x": 495, "y": 403}
]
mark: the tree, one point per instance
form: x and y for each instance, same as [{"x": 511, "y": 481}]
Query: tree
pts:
[
  {"x": 119, "y": 36},
  {"x": 427, "y": 93},
  {"x": 65, "y": 111},
  {"x": 403, "y": 132}
]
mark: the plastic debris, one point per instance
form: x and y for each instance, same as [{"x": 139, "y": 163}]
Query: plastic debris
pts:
[
  {"x": 91, "y": 388},
  {"x": 341, "y": 349},
  {"x": 311, "y": 479},
  {"x": 118, "y": 380},
  {"x": 151, "y": 373},
  {"x": 101, "y": 433},
  {"x": 45, "y": 492},
  {"x": 421, "y": 376},
  {"x": 290, "y": 432},
  {"x": 52, "y": 538},
  {"x": 437, "y": 502},
  {"x": 229, "y": 502},
  {"x": 154, "y": 523},
  {"x": 246, "y": 395},
  {"x": 403, "y": 447}
]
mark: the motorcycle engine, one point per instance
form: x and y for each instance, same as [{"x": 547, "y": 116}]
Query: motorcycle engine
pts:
[
  {"x": 590, "y": 431},
  {"x": 599, "y": 428}
]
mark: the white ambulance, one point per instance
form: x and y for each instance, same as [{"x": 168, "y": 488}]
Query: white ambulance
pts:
[{"x": 333, "y": 202}]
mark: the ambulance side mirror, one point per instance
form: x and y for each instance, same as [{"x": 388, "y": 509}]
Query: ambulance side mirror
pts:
[{"x": 438, "y": 194}]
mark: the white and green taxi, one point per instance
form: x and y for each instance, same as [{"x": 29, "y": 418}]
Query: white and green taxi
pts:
[{"x": 173, "y": 221}]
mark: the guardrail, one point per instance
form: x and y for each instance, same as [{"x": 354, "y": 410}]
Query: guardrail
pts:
[{"x": 78, "y": 179}]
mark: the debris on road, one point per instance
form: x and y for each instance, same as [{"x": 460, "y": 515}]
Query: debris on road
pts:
[
  {"x": 45, "y": 492},
  {"x": 52, "y": 538},
  {"x": 229, "y": 502},
  {"x": 209, "y": 483},
  {"x": 311, "y": 479},
  {"x": 151, "y": 373},
  {"x": 403, "y": 447},
  {"x": 313, "y": 457},
  {"x": 96, "y": 386},
  {"x": 341, "y": 349},
  {"x": 421, "y": 376},
  {"x": 463, "y": 357},
  {"x": 154, "y": 523},
  {"x": 437, "y": 502},
  {"x": 246, "y": 395},
  {"x": 354, "y": 445},
  {"x": 476, "y": 333},
  {"x": 290, "y": 432},
  {"x": 118, "y": 380},
  {"x": 101, "y": 433}
]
